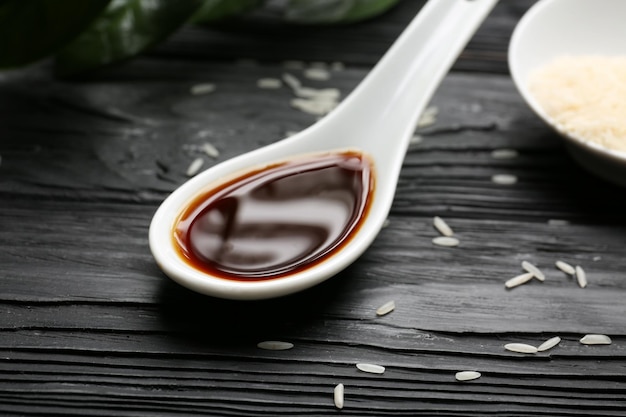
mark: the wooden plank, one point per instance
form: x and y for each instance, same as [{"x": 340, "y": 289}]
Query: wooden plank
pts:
[
  {"x": 90, "y": 326},
  {"x": 146, "y": 155},
  {"x": 44, "y": 265},
  {"x": 298, "y": 382}
]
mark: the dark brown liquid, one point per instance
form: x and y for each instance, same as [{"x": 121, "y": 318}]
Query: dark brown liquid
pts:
[{"x": 278, "y": 220}]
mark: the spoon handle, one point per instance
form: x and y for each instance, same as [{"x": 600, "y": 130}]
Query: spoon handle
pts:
[{"x": 408, "y": 75}]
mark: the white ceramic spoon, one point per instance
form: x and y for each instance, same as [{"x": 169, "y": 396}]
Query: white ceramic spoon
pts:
[
  {"x": 553, "y": 28},
  {"x": 377, "y": 118}
]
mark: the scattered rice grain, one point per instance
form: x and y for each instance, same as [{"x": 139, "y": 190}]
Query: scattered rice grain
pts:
[
  {"x": 274, "y": 345},
  {"x": 596, "y": 339},
  {"x": 446, "y": 241},
  {"x": 200, "y": 89},
  {"x": 581, "y": 276},
  {"x": 316, "y": 73},
  {"x": 291, "y": 133},
  {"x": 292, "y": 81},
  {"x": 204, "y": 133},
  {"x": 442, "y": 226},
  {"x": 318, "y": 93},
  {"x": 549, "y": 344},
  {"x": 476, "y": 108},
  {"x": 518, "y": 280},
  {"x": 337, "y": 66},
  {"x": 339, "y": 396},
  {"x": 386, "y": 223},
  {"x": 210, "y": 150},
  {"x": 504, "y": 179},
  {"x": 315, "y": 107},
  {"x": 467, "y": 375},
  {"x": 428, "y": 117},
  {"x": 597, "y": 258},
  {"x": 565, "y": 267},
  {"x": 504, "y": 154},
  {"x": 194, "y": 167},
  {"x": 386, "y": 308},
  {"x": 558, "y": 222},
  {"x": 269, "y": 83},
  {"x": 416, "y": 139},
  {"x": 520, "y": 348},
  {"x": 528, "y": 267},
  {"x": 370, "y": 368}
]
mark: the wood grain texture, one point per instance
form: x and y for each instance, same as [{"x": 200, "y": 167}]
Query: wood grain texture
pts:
[{"x": 90, "y": 326}]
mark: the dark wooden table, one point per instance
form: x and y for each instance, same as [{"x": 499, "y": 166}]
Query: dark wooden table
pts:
[{"x": 90, "y": 326}]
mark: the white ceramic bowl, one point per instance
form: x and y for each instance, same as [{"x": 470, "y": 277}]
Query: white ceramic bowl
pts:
[{"x": 553, "y": 28}]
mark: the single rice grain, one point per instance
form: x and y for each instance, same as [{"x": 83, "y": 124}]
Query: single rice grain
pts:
[
  {"x": 210, "y": 150},
  {"x": 520, "y": 348},
  {"x": 504, "y": 154},
  {"x": 446, "y": 241},
  {"x": 325, "y": 94},
  {"x": 565, "y": 267},
  {"x": 442, "y": 226},
  {"x": 518, "y": 280},
  {"x": 194, "y": 167},
  {"x": 339, "y": 396},
  {"x": 315, "y": 107},
  {"x": 200, "y": 89},
  {"x": 292, "y": 81},
  {"x": 549, "y": 344},
  {"x": 581, "y": 276},
  {"x": 558, "y": 222},
  {"x": 269, "y": 83},
  {"x": 528, "y": 267},
  {"x": 370, "y": 368},
  {"x": 504, "y": 179},
  {"x": 318, "y": 74},
  {"x": 386, "y": 308},
  {"x": 274, "y": 345},
  {"x": 467, "y": 375},
  {"x": 337, "y": 66},
  {"x": 428, "y": 117},
  {"x": 596, "y": 339}
]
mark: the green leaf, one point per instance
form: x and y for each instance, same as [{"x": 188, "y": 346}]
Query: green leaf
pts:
[
  {"x": 213, "y": 10},
  {"x": 33, "y": 29},
  {"x": 335, "y": 11},
  {"x": 126, "y": 28}
]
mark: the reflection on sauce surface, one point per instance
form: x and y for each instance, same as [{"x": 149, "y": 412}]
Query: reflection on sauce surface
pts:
[{"x": 277, "y": 220}]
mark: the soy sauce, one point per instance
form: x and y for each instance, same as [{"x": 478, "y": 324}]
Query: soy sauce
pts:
[{"x": 278, "y": 220}]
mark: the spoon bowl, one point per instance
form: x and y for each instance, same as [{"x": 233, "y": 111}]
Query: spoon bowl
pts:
[
  {"x": 553, "y": 28},
  {"x": 377, "y": 119}
]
